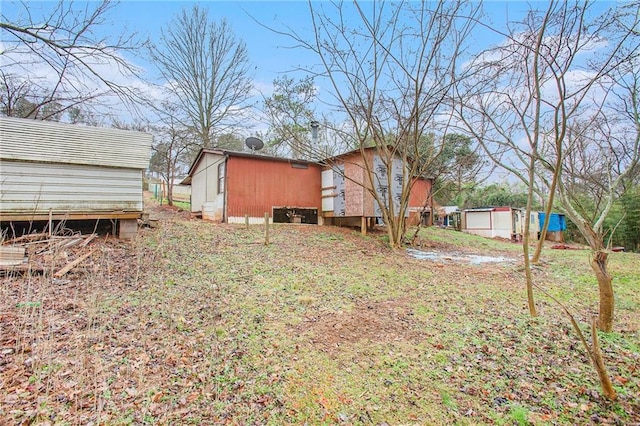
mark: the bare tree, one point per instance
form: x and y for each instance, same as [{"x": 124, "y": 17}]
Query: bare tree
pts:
[
  {"x": 14, "y": 97},
  {"x": 531, "y": 89},
  {"x": 600, "y": 163},
  {"x": 207, "y": 70},
  {"x": 390, "y": 73},
  {"x": 169, "y": 151},
  {"x": 23, "y": 97},
  {"x": 230, "y": 141},
  {"x": 295, "y": 128},
  {"x": 63, "y": 43}
]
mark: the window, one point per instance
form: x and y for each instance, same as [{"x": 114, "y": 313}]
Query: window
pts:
[{"x": 221, "y": 173}]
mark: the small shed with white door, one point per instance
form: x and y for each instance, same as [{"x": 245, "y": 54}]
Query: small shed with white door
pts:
[
  {"x": 492, "y": 222},
  {"x": 61, "y": 171}
]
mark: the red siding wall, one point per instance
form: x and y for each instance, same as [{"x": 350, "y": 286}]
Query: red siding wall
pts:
[
  {"x": 420, "y": 191},
  {"x": 354, "y": 192},
  {"x": 255, "y": 186}
]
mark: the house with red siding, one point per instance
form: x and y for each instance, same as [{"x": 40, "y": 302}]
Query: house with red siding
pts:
[
  {"x": 348, "y": 193},
  {"x": 229, "y": 185}
]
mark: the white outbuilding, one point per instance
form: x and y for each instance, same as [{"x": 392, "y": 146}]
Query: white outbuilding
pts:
[{"x": 62, "y": 171}]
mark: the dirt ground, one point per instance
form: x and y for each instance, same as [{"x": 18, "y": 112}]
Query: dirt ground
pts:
[
  {"x": 195, "y": 323},
  {"x": 380, "y": 322}
]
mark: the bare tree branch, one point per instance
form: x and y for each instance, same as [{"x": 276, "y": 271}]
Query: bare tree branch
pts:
[
  {"x": 64, "y": 40},
  {"x": 207, "y": 69}
]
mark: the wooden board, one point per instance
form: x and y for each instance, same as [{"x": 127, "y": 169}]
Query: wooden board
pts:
[{"x": 10, "y": 256}]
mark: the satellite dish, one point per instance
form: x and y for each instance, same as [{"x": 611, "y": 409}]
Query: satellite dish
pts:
[{"x": 254, "y": 144}]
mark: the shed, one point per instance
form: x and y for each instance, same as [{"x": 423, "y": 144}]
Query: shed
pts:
[
  {"x": 227, "y": 185},
  {"x": 493, "y": 222},
  {"x": 448, "y": 216},
  {"x": 60, "y": 171},
  {"x": 557, "y": 224}
]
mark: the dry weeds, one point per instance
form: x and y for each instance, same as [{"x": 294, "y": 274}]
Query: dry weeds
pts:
[{"x": 196, "y": 323}]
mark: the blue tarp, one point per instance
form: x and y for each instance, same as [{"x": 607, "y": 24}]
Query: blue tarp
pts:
[{"x": 556, "y": 222}]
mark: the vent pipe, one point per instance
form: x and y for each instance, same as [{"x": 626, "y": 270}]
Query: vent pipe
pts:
[{"x": 314, "y": 132}]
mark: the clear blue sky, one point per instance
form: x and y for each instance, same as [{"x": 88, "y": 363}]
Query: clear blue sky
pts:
[{"x": 267, "y": 50}]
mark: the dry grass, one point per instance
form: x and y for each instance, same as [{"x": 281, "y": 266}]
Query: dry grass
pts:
[{"x": 196, "y": 323}]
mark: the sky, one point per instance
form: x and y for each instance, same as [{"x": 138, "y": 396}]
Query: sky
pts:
[
  {"x": 266, "y": 49},
  {"x": 270, "y": 53}
]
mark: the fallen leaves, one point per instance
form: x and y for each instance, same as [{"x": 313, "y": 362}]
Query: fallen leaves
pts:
[{"x": 193, "y": 323}]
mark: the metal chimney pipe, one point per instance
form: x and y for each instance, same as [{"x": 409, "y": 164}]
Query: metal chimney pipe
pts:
[{"x": 314, "y": 132}]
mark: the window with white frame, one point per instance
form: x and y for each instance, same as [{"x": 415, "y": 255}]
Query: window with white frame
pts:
[{"x": 221, "y": 173}]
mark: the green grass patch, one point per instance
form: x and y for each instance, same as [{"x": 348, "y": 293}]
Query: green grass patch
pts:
[{"x": 323, "y": 326}]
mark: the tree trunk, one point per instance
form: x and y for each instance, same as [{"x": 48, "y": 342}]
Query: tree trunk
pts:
[
  {"x": 395, "y": 232},
  {"x": 527, "y": 268},
  {"x": 170, "y": 194},
  {"x": 598, "y": 363},
  {"x": 545, "y": 225},
  {"x": 605, "y": 285},
  {"x": 525, "y": 243}
]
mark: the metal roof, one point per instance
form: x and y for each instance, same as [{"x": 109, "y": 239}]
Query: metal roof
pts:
[
  {"x": 230, "y": 153},
  {"x": 51, "y": 142}
]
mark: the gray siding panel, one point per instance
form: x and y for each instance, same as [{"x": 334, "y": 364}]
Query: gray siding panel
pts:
[
  {"x": 34, "y": 188},
  {"x": 204, "y": 183},
  {"x": 43, "y": 141}
]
